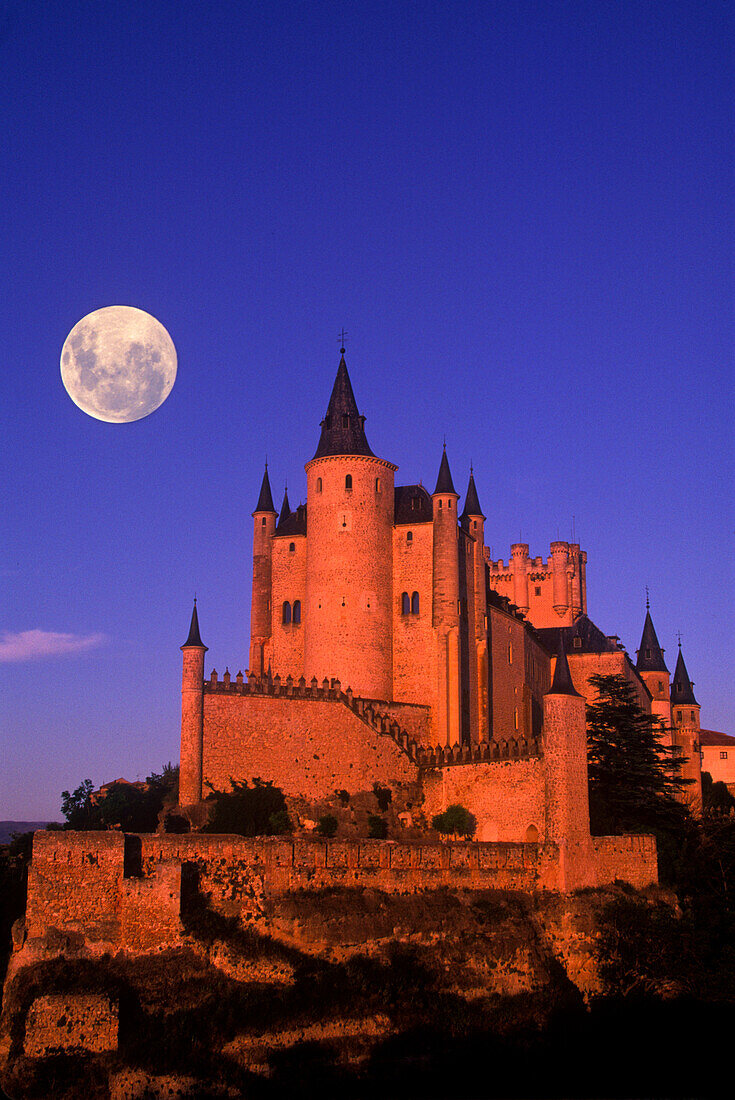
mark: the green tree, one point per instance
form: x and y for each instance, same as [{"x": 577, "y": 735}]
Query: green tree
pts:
[
  {"x": 455, "y": 821},
  {"x": 327, "y": 825},
  {"x": 259, "y": 810},
  {"x": 121, "y": 805},
  {"x": 635, "y": 785},
  {"x": 377, "y": 827}
]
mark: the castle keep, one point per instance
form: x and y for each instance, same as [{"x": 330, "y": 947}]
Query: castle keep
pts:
[{"x": 386, "y": 646}]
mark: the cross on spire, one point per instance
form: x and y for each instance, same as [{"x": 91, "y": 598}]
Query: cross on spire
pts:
[
  {"x": 648, "y": 602},
  {"x": 342, "y": 337},
  {"x": 678, "y": 635}
]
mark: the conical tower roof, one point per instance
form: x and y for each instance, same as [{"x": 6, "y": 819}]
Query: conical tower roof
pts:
[
  {"x": 682, "y": 690},
  {"x": 650, "y": 654},
  {"x": 343, "y": 429},
  {"x": 265, "y": 500},
  {"x": 444, "y": 483},
  {"x": 285, "y": 509},
  {"x": 562, "y": 683},
  {"x": 194, "y": 638},
  {"x": 471, "y": 500}
]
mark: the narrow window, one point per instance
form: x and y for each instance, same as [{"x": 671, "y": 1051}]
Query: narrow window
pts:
[
  {"x": 348, "y": 481},
  {"x": 449, "y": 504},
  {"x": 405, "y": 604},
  {"x": 286, "y": 612},
  {"x": 531, "y": 835},
  {"x": 415, "y": 604},
  {"x": 377, "y": 485},
  {"x": 648, "y": 653},
  {"x": 691, "y": 715},
  {"x": 515, "y": 717},
  {"x": 440, "y": 504},
  {"x": 474, "y": 524},
  {"x": 660, "y": 685},
  {"x": 291, "y": 548},
  {"x": 538, "y": 590},
  {"x": 409, "y": 536},
  {"x": 510, "y": 654},
  {"x": 318, "y": 485},
  {"x": 297, "y": 611},
  {"x": 723, "y": 756},
  {"x": 262, "y": 522}
]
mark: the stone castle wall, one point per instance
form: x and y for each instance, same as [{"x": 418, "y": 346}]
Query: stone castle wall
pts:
[{"x": 506, "y": 797}]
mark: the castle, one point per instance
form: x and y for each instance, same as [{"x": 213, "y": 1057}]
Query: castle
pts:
[{"x": 386, "y": 646}]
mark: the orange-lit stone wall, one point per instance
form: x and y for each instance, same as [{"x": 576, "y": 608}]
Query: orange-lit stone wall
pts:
[
  {"x": 414, "y": 674},
  {"x": 532, "y": 579},
  {"x": 510, "y": 702},
  {"x": 286, "y": 652},
  {"x": 506, "y": 797}
]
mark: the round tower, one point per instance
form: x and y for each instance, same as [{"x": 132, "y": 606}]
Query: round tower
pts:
[
  {"x": 565, "y": 759},
  {"x": 473, "y": 521},
  {"x": 446, "y": 605},
  {"x": 192, "y": 715},
  {"x": 519, "y": 566},
  {"x": 349, "y": 553},
  {"x": 264, "y": 525},
  {"x": 687, "y": 732},
  {"x": 651, "y": 668},
  {"x": 559, "y": 557}
]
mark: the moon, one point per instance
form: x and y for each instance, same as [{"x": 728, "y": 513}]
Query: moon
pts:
[{"x": 118, "y": 364}]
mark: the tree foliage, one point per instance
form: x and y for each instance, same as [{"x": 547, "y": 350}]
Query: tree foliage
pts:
[
  {"x": 635, "y": 784},
  {"x": 121, "y": 805},
  {"x": 257, "y": 810},
  {"x": 455, "y": 821}
]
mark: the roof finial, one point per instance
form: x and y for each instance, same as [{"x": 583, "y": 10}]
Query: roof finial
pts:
[
  {"x": 342, "y": 337},
  {"x": 648, "y": 602},
  {"x": 445, "y": 441},
  {"x": 678, "y": 635}
]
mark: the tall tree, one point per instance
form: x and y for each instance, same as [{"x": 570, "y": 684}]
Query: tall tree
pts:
[{"x": 635, "y": 784}]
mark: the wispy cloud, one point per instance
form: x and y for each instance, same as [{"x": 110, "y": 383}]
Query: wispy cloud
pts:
[{"x": 29, "y": 645}]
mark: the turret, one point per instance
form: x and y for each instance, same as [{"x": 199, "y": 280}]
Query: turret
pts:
[
  {"x": 192, "y": 715},
  {"x": 651, "y": 668},
  {"x": 565, "y": 758},
  {"x": 446, "y": 604},
  {"x": 686, "y": 721},
  {"x": 350, "y": 501},
  {"x": 473, "y": 521},
  {"x": 519, "y": 565},
  {"x": 559, "y": 558},
  {"x": 264, "y": 525}
]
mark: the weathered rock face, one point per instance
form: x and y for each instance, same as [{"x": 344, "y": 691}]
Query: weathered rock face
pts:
[{"x": 334, "y": 980}]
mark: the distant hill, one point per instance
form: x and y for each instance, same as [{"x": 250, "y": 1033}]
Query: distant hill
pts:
[{"x": 7, "y": 828}]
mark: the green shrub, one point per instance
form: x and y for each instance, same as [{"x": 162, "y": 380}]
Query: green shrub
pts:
[
  {"x": 343, "y": 796},
  {"x": 327, "y": 825},
  {"x": 259, "y": 810},
  {"x": 455, "y": 821},
  {"x": 383, "y": 795},
  {"x": 377, "y": 827}
]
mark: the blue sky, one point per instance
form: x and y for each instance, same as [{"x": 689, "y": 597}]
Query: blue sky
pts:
[{"x": 522, "y": 213}]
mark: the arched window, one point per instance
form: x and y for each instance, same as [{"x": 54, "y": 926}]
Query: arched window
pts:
[
  {"x": 515, "y": 717},
  {"x": 348, "y": 481},
  {"x": 415, "y": 604},
  {"x": 291, "y": 547},
  {"x": 377, "y": 485},
  {"x": 262, "y": 522},
  {"x": 297, "y": 612},
  {"x": 286, "y": 613},
  {"x": 531, "y": 835},
  {"x": 409, "y": 536},
  {"x": 318, "y": 485},
  {"x": 405, "y": 604}
]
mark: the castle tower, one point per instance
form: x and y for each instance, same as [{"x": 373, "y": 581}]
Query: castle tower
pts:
[
  {"x": 473, "y": 521},
  {"x": 686, "y": 731},
  {"x": 192, "y": 715},
  {"x": 565, "y": 758},
  {"x": 519, "y": 566},
  {"x": 559, "y": 559},
  {"x": 446, "y": 605},
  {"x": 349, "y": 563},
  {"x": 264, "y": 525},
  {"x": 652, "y": 669}
]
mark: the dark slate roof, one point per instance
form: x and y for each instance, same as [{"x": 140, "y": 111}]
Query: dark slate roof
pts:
[
  {"x": 412, "y": 504},
  {"x": 650, "y": 655},
  {"x": 265, "y": 500},
  {"x": 343, "y": 429},
  {"x": 194, "y": 638},
  {"x": 714, "y": 737},
  {"x": 471, "y": 501},
  {"x": 285, "y": 512},
  {"x": 582, "y": 637},
  {"x": 444, "y": 483},
  {"x": 294, "y": 523},
  {"x": 682, "y": 690},
  {"x": 562, "y": 682}
]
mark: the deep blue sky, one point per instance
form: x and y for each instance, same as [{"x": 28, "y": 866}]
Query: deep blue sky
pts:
[{"x": 521, "y": 212}]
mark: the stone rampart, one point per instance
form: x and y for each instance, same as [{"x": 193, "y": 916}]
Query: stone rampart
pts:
[{"x": 70, "y": 1022}]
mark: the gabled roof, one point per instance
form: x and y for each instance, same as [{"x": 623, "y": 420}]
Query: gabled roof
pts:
[
  {"x": 343, "y": 429},
  {"x": 682, "y": 690},
  {"x": 562, "y": 682},
  {"x": 650, "y": 654},
  {"x": 294, "y": 523},
  {"x": 444, "y": 483},
  {"x": 582, "y": 637},
  {"x": 265, "y": 500},
  {"x": 412, "y": 504},
  {"x": 471, "y": 501},
  {"x": 194, "y": 638}
]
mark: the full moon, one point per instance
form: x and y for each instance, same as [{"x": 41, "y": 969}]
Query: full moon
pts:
[{"x": 118, "y": 364}]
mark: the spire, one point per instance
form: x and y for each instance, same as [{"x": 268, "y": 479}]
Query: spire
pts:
[
  {"x": 650, "y": 654},
  {"x": 562, "y": 682},
  {"x": 471, "y": 500},
  {"x": 343, "y": 429},
  {"x": 194, "y": 638},
  {"x": 444, "y": 483},
  {"x": 682, "y": 690},
  {"x": 265, "y": 500},
  {"x": 285, "y": 508}
]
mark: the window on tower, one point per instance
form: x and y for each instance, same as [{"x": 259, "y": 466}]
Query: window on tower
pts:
[
  {"x": 409, "y": 536},
  {"x": 291, "y": 547},
  {"x": 405, "y": 604},
  {"x": 296, "y": 612},
  {"x": 345, "y": 420},
  {"x": 415, "y": 603},
  {"x": 286, "y": 618},
  {"x": 318, "y": 485},
  {"x": 348, "y": 482}
]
